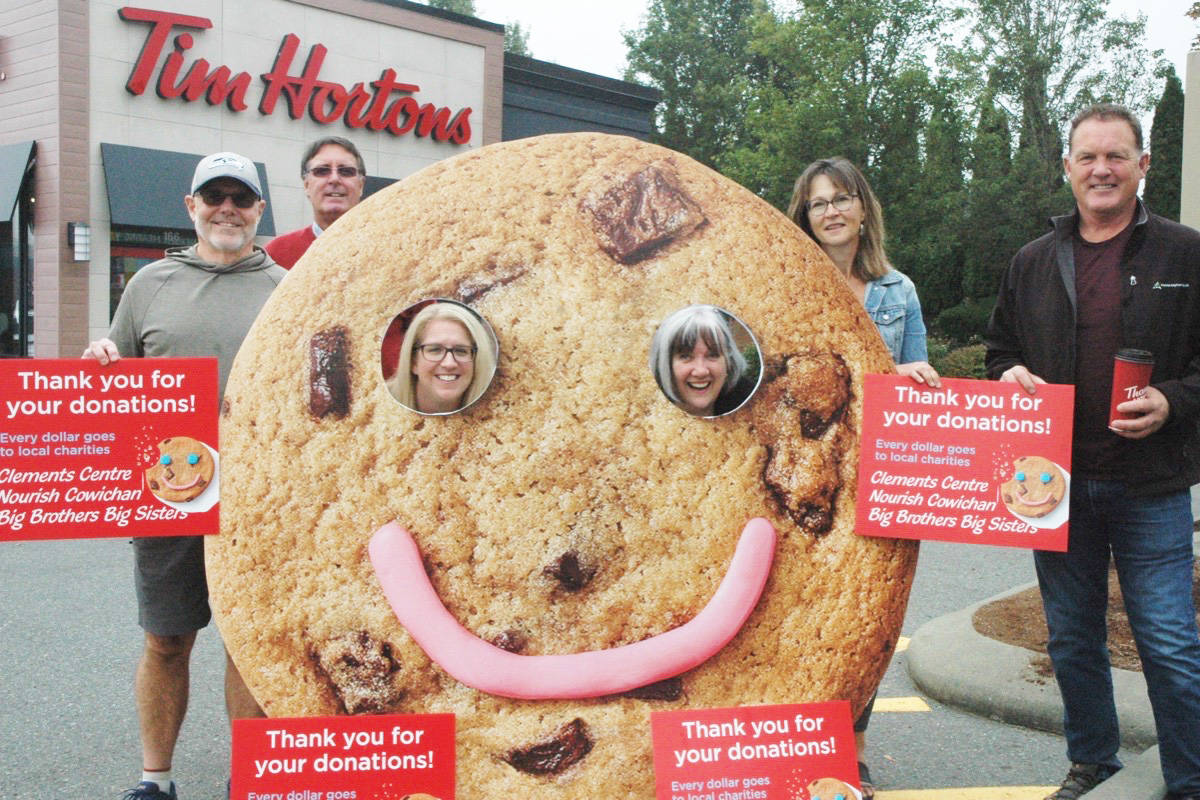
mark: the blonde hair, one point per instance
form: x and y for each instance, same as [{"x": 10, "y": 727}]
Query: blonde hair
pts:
[
  {"x": 402, "y": 384},
  {"x": 870, "y": 261}
]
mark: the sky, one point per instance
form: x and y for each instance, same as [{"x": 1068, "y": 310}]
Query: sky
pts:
[{"x": 586, "y": 34}]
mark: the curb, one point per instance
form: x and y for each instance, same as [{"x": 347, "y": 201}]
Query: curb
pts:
[
  {"x": 1141, "y": 778},
  {"x": 955, "y": 664}
]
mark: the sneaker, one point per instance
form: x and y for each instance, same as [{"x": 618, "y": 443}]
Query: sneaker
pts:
[
  {"x": 147, "y": 790},
  {"x": 1081, "y": 779}
]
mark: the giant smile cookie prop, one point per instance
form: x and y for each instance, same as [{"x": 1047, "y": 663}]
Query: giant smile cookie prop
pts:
[{"x": 573, "y": 551}]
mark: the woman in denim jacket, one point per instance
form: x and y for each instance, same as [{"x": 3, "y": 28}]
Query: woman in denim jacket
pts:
[{"x": 833, "y": 203}]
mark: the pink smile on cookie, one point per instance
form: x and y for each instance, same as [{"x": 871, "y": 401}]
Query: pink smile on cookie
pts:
[
  {"x": 483, "y": 666},
  {"x": 181, "y": 486}
]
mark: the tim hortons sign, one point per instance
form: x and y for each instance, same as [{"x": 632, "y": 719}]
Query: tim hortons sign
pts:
[{"x": 385, "y": 104}]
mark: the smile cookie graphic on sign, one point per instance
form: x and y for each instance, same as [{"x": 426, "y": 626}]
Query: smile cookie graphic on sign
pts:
[
  {"x": 183, "y": 471},
  {"x": 1036, "y": 487},
  {"x": 572, "y": 550}
]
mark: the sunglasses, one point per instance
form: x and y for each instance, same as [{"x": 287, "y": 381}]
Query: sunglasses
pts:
[
  {"x": 216, "y": 197},
  {"x": 324, "y": 171}
]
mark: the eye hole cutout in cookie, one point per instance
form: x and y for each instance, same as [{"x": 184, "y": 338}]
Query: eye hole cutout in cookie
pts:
[
  {"x": 438, "y": 357},
  {"x": 705, "y": 360}
]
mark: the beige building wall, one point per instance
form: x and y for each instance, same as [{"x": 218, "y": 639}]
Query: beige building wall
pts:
[
  {"x": 455, "y": 65},
  {"x": 64, "y": 65},
  {"x": 1189, "y": 207},
  {"x": 44, "y": 98}
]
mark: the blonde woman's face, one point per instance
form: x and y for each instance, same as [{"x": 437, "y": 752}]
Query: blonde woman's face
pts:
[
  {"x": 441, "y": 384},
  {"x": 834, "y": 228}
]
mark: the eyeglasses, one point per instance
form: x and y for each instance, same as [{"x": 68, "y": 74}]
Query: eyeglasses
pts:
[
  {"x": 324, "y": 171},
  {"x": 819, "y": 208},
  {"x": 215, "y": 197},
  {"x": 436, "y": 352}
]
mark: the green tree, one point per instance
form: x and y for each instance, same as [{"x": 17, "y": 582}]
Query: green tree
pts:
[
  {"x": 989, "y": 237},
  {"x": 695, "y": 52},
  {"x": 1162, "y": 190},
  {"x": 465, "y": 7},
  {"x": 842, "y": 77},
  {"x": 926, "y": 231},
  {"x": 516, "y": 39},
  {"x": 1046, "y": 59}
]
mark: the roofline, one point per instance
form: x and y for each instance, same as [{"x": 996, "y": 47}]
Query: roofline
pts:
[
  {"x": 533, "y": 72},
  {"x": 452, "y": 16}
]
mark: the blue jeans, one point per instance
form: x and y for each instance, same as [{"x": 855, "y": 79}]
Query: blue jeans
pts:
[{"x": 1150, "y": 539}]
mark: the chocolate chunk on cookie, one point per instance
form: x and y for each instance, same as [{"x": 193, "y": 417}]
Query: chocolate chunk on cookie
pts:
[
  {"x": 570, "y": 572},
  {"x": 361, "y": 671},
  {"x": 329, "y": 373},
  {"x": 668, "y": 689},
  {"x": 564, "y": 748},
  {"x": 473, "y": 288},
  {"x": 806, "y": 392},
  {"x": 642, "y": 213}
]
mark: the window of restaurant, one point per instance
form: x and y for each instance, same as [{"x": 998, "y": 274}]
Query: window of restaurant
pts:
[
  {"x": 125, "y": 261},
  {"x": 16, "y": 253}
]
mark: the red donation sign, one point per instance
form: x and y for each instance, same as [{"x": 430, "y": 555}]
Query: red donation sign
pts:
[
  {"x": 975, "y": 461},
  {"x": 128, "y": 449},
  {"x": 385, "y": 757},
  {"x": 782, "y": 752}
]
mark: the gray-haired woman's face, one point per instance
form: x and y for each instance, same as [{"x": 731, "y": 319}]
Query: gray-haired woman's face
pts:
[{"x": 699, "y": 376}]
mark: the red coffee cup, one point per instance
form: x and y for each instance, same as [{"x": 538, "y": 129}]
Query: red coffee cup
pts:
[{"x": 1131, "y": 375}]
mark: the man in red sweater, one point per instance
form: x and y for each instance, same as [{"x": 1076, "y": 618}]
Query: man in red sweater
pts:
[{"x": 334, "y": 174}]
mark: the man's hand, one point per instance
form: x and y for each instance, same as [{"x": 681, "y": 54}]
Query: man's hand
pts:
[
  {"x": 102, "y": 350},
  {"x": 1152, "y": 409},
  {"x": 920, "y": 372},
  {"x": 1019, "y": 374}
]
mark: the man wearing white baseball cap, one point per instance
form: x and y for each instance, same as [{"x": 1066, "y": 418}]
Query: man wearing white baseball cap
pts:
[{"x": 196, "y": 301}]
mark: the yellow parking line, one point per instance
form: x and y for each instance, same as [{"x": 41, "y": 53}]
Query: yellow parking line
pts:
[
  {"x": 969, "y": 793},
  {"x": 901, "y": 704}
]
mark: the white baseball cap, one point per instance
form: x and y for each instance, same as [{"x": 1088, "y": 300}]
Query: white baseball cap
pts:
[{"x": 226, "y": 165}]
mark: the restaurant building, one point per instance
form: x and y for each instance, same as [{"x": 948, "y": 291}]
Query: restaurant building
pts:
[{"x": 105, "y": 108}]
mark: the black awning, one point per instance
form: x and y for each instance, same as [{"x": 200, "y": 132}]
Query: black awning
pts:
[
  {"x": 15, "y": 162},
  {"x": 146, "y": 188},
  {"x": 374, "y": 183}
]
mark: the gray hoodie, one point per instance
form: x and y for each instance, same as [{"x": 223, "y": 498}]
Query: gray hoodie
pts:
[{"x": 182, "y": 306}]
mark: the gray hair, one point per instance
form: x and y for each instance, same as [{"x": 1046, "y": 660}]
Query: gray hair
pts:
[
  {"x": 341, "y": 142},
  {"x": 679, "y": 333}
]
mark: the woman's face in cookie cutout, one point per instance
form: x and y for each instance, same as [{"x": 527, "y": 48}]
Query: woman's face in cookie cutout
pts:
[
  {"x": 446, "y": 359},
  {"x": 699, "y": 376},
  {"x": 442, "y": 366},
  {"x": 697, "y": 362}
]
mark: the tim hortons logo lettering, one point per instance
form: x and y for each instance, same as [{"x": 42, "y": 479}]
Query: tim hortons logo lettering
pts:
[{"x": 382, "y": 105}]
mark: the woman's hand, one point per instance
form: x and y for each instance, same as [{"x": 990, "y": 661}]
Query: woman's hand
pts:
[{"x": 921, "y": 372}]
